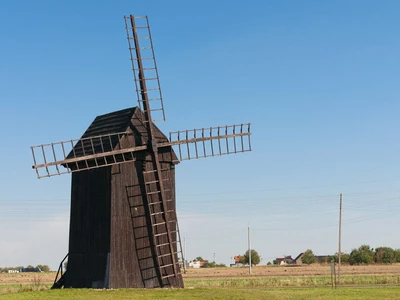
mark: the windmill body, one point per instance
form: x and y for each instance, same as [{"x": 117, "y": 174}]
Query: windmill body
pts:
[
  {"x": 124, "y": 231},
  {"x": 110, "y": 243}
]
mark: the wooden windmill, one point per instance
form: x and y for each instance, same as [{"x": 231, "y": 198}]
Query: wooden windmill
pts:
[{"x": 123, "y": 228}]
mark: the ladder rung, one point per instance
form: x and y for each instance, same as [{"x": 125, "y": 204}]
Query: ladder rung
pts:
[
  {"x": 151, "y": 182},
  {"x": 141, "y": 27},
  {"x": 143, "y": 58},
  {"x": 163, "y": 212},
  {"x": 156, "y": 109},
  {"x": 160, "y": 234},
  {"x": 152, "y": 193},
  {"x": 150, "y": 99},
  {"x": 159, "y": 202},
  {"x": 140, "y": 48},
  {"x": 164, "y": 255},
  {"x": 153, "y": 171},
  {"x": 166, "y": 266},
  {"x": 144, "y": 69},
  {"x": 157, "y": 213},
  {"x": 164, "y": 244},
  {"x": 171, "y": 275},
  {"x": 158, "y": 224}
]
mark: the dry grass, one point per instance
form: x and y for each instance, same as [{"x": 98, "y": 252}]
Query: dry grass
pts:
[
  {"x": 291, "y": 271},
  {"x": 262, "y": 276},
  {"x": 27, "y": 278}
]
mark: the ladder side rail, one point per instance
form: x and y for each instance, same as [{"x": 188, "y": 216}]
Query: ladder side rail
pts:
[
  {"x": 155, "y": 67},
  {"x": 180, "y": 245},
  {"x": 133, "y": 58}
]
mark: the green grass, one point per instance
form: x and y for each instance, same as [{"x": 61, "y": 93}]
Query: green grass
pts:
[
  {"x": 353, "y": 287},
  {"x": 18, "y": 288},
  {"x": 211, "y": 293},
  {"x": 273, "y": 282}
]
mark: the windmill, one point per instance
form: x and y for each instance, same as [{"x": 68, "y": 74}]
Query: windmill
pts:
[{"x": 123, "y": 226}]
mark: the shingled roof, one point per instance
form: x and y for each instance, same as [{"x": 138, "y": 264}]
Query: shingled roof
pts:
[{"x": 105, "y": 132}]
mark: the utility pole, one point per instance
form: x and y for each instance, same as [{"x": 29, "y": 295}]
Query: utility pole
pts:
[
  {"x": 248, "y": 235},
  {"x": 215, "y": 264},
  {"x": 340, "y": 238}
]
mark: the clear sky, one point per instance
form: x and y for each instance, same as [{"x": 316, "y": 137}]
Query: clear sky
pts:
[{"x": 318, "y": 80}]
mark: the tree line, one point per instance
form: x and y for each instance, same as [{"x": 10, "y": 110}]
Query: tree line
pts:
[
  {"x": 358, "y": 256},
  {"x": 44, "y": 268}
]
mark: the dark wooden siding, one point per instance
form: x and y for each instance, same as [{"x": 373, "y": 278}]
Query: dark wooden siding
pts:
[{"x": 89, "y": 242}]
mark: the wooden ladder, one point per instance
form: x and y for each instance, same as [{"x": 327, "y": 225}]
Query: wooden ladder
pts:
[{"x": 164, "y": 225}]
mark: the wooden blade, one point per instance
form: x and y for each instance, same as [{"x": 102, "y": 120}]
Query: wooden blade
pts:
[
  {"x": 144, "y": 68},
  {"x": 82, "y": 154},
  {"x": 213, "y": 141},
  {"x": 104, "y": 150}
]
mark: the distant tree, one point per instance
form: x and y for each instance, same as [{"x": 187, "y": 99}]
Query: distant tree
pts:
[
  {"x": 269, "y": 263},
  {"x": 397, "y": 255},
  {"x": 242, "y": 259},
  {"x": 220, "y": 265},
  {"x": 325, "y": 259},
  {"x": 363, "y": 255},
  {"x": 344, "y": 258},
  {"x": 44, "y": 268},
  {"x": 30, "y": 266},
  {"x": 199, "y": 258},
  {"x": 308, "y": 257},
  {"x": 255, "y": 257},
  {"x": 384, "y": 255},
  {"x": 209, "y": 265},
  {"x": 275, "y": 262}
]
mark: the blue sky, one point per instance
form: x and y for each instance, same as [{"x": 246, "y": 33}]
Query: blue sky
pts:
[{"x": 318, "y": 80}]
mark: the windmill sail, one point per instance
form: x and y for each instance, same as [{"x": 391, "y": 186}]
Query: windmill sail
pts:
[
  {"x": 212, "y": 141},
  {"x": 144, "y": 66},
  {"x": 81, "y": 154},
  {"x": 105, "y": 150}
]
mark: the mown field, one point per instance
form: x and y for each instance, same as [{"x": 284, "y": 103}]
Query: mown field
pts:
[{"x": 300, "y": 282}]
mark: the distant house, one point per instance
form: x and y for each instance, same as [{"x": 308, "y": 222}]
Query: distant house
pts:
[
  {"x": 287, "y": 260},
  {"x": 298, "y": 259},
  {"x": 320, "y": 258},
  {"x": 237, "y": 259},
  {"x": 323, "y": 258},
  {"x": 196, "y": 264}
]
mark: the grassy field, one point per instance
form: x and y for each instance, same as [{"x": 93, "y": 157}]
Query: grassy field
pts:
[
  {"x": 211, "y": 293},
  {"x": 304, "y": 282}
]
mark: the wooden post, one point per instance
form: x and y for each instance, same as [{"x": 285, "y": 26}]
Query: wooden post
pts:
[
  {"x": 340, "y": 238},
  {"x": 248, "y": 235}
]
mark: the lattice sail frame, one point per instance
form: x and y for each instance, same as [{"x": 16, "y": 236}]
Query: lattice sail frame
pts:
[
  {"x": 144, "y": 65},
  {"x": 105, "y": 150}
]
